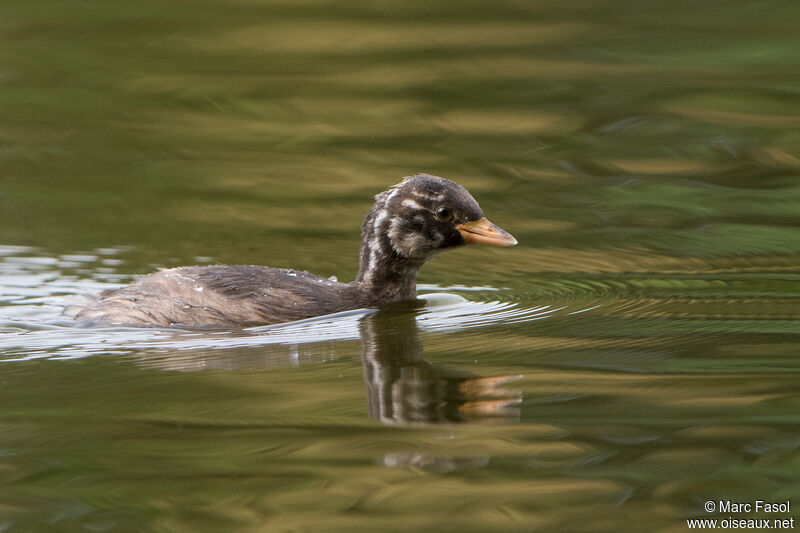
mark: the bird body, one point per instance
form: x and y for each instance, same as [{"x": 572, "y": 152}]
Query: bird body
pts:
[
  {"x": 222, "y": 296},
  {"x": 408, "y": 225}
]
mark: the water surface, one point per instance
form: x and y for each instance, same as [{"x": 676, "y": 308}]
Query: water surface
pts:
[{"x": 634, "y": 357}]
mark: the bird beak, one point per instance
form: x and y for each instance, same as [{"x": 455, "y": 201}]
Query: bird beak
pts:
[{"x": 484, "y": 232}]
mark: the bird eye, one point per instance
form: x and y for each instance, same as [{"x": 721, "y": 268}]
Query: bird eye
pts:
[{"x": 444, "y": 214}]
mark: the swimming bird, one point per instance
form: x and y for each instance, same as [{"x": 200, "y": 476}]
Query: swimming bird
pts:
[{"x": 408, "y": 225}]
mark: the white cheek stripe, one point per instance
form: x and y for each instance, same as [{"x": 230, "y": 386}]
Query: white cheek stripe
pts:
[
  {"x": 410, "y": 204},
  {"x": 394, "y": 234},
  {"x": 395, "y": 190},
  {"x": 376, "y": 225},
  {"x": 419, "y": 194}
]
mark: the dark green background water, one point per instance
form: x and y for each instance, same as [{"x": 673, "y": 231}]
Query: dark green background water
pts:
[{"x": 645, "y": 154}]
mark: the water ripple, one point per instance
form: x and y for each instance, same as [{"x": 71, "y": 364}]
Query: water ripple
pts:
[
  {"x": 23, "y": 342},
  {"x": 35, "y": 290}
]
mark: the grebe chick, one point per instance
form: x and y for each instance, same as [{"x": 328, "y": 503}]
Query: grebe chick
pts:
[{"x": 409, "y": 224}]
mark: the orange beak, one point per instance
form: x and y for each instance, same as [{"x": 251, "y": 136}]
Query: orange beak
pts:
[{"x": 484, "y": 232}]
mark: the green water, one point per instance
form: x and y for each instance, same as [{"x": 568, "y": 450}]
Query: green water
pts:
[{"x": 633, "y": 358}]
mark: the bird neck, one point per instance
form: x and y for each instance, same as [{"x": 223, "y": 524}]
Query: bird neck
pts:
[{"x": 384, "y": 276}]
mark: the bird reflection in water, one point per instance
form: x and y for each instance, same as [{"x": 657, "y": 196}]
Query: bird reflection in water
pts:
[{"x": 404, "y": 388}]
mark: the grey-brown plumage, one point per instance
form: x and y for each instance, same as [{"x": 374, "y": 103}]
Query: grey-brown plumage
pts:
[{"x": 409, "y": 223}]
